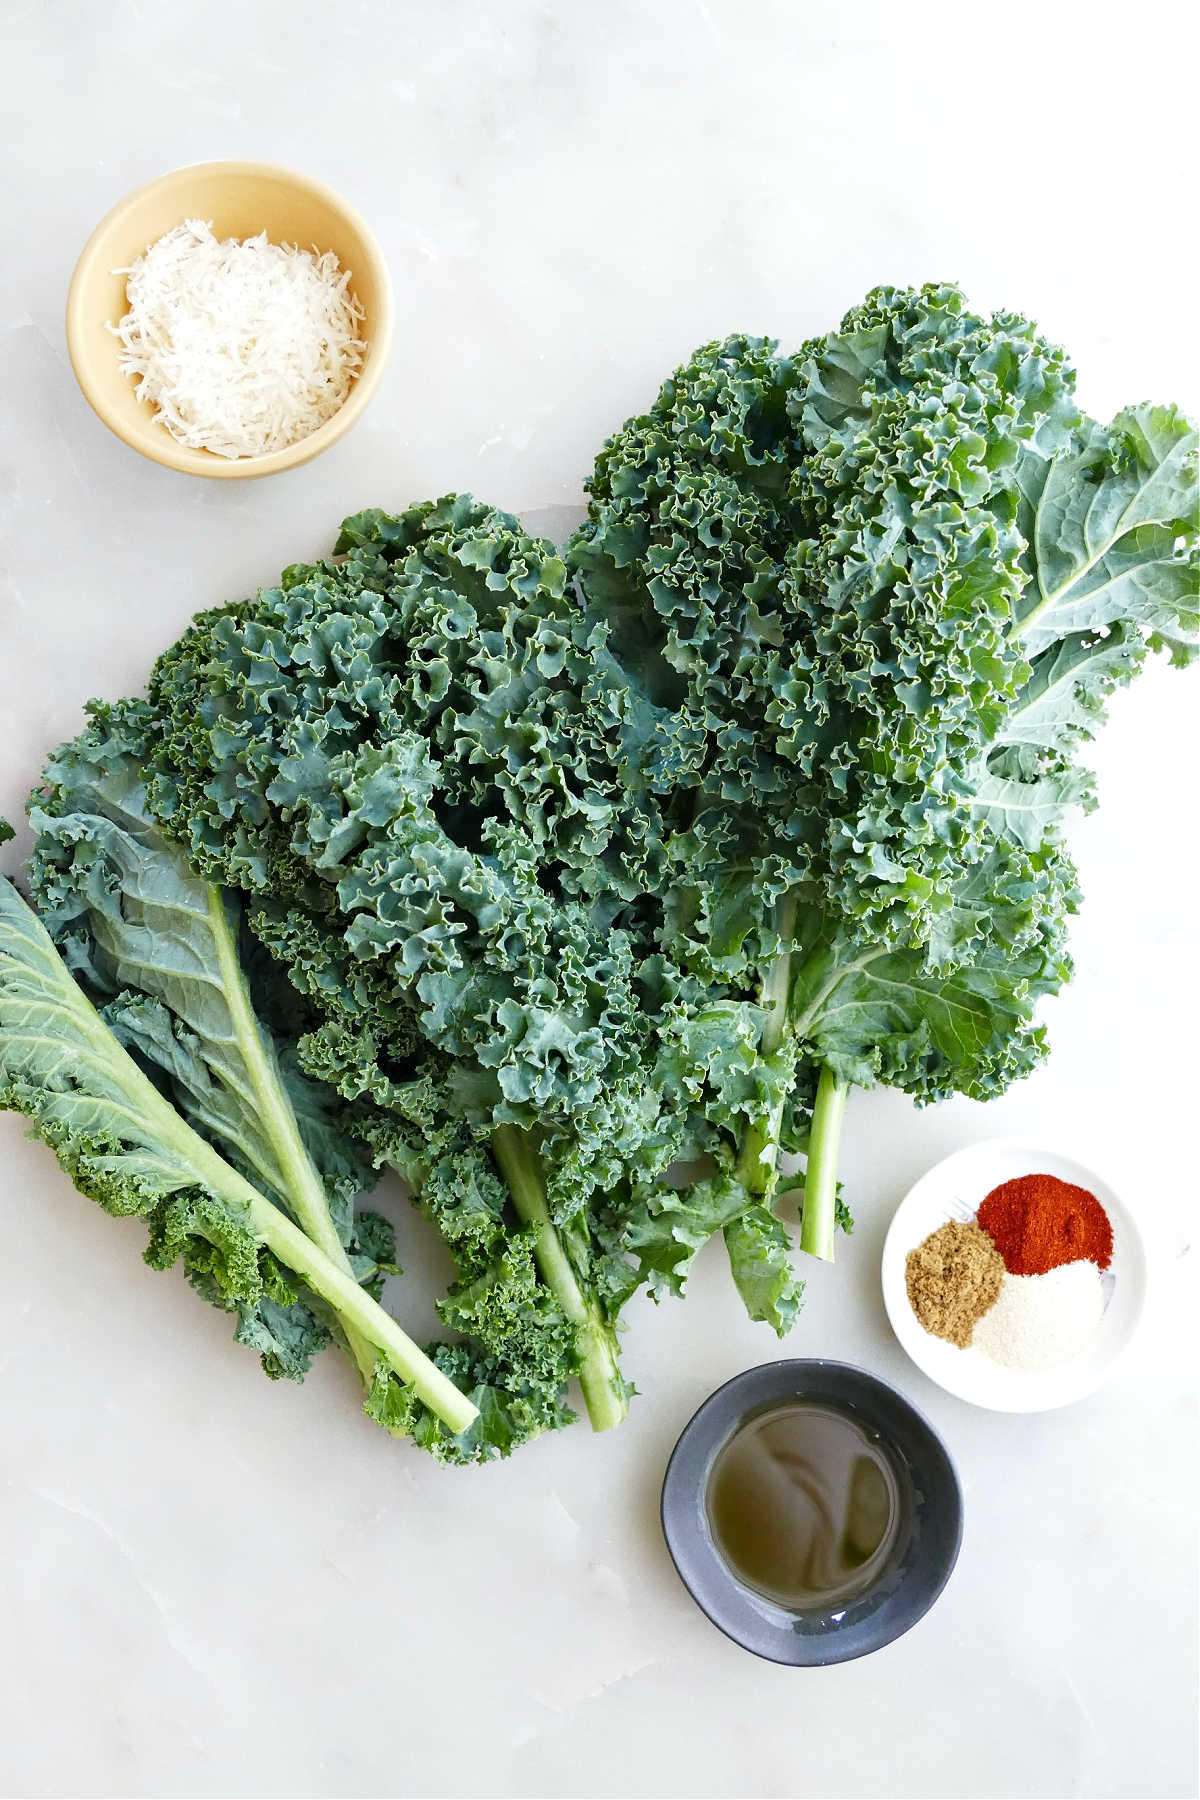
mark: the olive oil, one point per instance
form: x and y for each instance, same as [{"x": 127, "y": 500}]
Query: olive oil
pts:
[{"x": 803, "y": 1506}]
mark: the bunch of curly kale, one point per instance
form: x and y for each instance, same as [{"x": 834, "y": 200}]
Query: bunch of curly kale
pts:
[{"x": 551, "y": 874}]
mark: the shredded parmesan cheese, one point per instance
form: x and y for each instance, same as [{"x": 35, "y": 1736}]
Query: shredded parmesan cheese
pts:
[{"x": 243, "y": 347}]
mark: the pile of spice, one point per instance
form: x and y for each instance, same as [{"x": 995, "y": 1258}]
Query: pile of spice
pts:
[
  {"x": 954, "y": 1278},
  {"x": 1021, "y": 1281}
]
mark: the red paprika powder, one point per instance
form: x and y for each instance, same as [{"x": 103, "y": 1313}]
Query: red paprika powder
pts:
[{"x": 1038, "y": 1222}]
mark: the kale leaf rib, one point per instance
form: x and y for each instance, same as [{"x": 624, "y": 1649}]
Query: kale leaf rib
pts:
[
  {"x": 818, "y": 1220},
  {"x": 137, "y": 920},
  {"x": 604, "y": 1389}
]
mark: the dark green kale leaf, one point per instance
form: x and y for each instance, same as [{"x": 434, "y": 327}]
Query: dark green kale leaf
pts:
[{"x": 890, "y": 582}]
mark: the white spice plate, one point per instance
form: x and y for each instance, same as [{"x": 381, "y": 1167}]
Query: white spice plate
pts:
[{"x": 954, "y": 1189}]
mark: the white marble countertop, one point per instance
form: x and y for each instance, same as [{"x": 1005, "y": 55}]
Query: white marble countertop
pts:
[{"x": 211, "y": 1585}]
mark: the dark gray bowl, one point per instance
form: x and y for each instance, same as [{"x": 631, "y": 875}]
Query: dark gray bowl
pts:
[{"x": 922, "y": 1557}]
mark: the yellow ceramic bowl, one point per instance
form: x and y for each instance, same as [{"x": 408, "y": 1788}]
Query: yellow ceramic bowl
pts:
[{"x": 240, "y": 199}]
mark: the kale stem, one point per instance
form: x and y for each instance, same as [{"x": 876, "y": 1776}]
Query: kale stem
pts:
[
  {"x": 360, "y": 1316},
  {"x": 302, "y": 1186},
  {"x": 604, "y": 1390},
  {"x": 820, "y": 1179},
  {"x": 757, "y": 1158},
  {"x": 759, "y": 1154}
]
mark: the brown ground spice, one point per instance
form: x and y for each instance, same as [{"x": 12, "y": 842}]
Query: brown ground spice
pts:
[{"x": 953, "y": 1278}]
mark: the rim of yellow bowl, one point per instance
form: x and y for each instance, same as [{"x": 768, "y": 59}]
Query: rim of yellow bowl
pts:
[{"x": 173, "y": 455}]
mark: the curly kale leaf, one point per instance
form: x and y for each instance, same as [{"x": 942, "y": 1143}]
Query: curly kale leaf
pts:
[
  {"x": 424, "y": 747},
  {"x": 987, "y": 565},
  {"x": 206, "y": 1013},
  {"x": 161, "y": 948},
  {"x": 424, "y": 765},
  {"x": 889, "y": 583},
  {"x": 125, "y": 1146}
]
